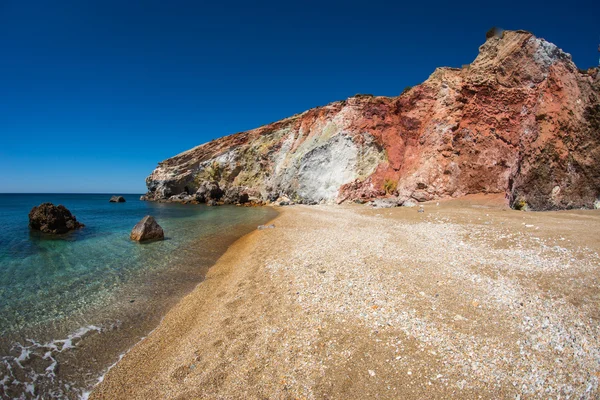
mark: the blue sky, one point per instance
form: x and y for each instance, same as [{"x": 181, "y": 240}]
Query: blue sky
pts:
[{"x": 94, "y": 93}]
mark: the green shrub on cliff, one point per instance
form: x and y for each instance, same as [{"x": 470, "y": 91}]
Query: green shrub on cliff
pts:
[
  {"x": 520, "y": 205},
  {"x": 214, "y": 171},
  {"x": 389, "y": 186},
  {"x": 494, "y": 31}
]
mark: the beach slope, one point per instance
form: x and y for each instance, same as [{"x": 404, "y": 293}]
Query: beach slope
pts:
[{"x": 467, "y": 299}]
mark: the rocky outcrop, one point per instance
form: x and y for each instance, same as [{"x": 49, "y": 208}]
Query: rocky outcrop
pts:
[
  {"x": 48, "y": 218},
  {"x": 521, "y": 119},
  {"x": 209, "y": 191},
  {"x": 117, "y": 199},
  {"x": 147, "y": 229}
]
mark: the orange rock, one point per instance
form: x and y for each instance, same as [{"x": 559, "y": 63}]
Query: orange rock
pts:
[{"x": 519, "y": 120}]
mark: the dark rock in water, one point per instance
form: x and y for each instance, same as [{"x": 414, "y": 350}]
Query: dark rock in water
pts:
[
  {"x": 117, "y": 199},
  {"x": 48, "y": 218},
  {"x": 212, "y": 203},
  {"x": 147, "y": 229}
]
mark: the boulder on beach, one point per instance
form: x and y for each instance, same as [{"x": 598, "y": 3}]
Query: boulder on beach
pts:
[
  {"x": 147, "y": 229},
  {"x": 387, "y": 202},
  {"x": 117, "y": 199},
  {"x": 283, "y": 201},
  {"x": 48, "y": 218},
  {"x": 409, "y": 203}
]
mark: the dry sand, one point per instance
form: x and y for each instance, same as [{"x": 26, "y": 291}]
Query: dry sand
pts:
[{"x": 467, "y": 300}]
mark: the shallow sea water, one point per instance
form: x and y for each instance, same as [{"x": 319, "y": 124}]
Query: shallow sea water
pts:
[{"x": 71, "y": 305}]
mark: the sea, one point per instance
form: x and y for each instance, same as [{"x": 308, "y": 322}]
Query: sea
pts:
[{"x": 72, "y": 305}]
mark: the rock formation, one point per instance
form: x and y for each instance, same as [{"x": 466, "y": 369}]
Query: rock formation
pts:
[
  {"x": 117, "y": 199},
  {"x": 147, "y": 229},
  {"x": 521, "y": 119},
  {"x": 48, "y": 218}
]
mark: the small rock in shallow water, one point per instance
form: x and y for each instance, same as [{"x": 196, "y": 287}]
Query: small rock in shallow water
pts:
[
  {"x": 147, "y": 229},
  {"x": 117, "y": 199}
]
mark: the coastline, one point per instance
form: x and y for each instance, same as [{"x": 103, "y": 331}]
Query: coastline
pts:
[
  {"x": 64, "y": 357},
  {"x": 215, "y": 277},
  {"x": 467, "y": 299}
]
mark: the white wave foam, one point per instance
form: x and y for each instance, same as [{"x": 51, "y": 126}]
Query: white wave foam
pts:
[
  {"x": 36, "y": 364},
  {"x": 85, "y": 395}
]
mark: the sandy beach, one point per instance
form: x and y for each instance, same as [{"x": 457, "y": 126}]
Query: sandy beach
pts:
[{"x": 468, "y": 299}]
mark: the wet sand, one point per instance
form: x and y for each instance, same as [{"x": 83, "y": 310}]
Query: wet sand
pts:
[{"x": 468, "y": 299}]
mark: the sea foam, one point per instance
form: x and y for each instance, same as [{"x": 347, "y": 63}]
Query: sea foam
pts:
[{"x": 34, "y": 366}]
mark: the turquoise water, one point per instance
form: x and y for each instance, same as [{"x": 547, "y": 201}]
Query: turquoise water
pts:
[{"x": 94, "y": 285}]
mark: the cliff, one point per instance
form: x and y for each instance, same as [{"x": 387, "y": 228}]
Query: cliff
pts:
[{"x": 521, "y": 119}]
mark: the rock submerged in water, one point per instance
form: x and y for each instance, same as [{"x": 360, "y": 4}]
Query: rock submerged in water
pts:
[
  {"x": 48, "y": 218},
  {"x": 117, "y": 199},
  {"x": 147, "y": 229}
]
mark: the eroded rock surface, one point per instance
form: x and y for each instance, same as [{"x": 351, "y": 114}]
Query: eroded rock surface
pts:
[
  {"x": 117, "y": 199},
  {"x": 521, "y": 119},
  {"x": 48, "y": 218},
  {"x": 147, "y": 229}
]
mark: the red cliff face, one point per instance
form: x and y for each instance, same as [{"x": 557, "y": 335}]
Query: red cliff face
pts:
[{"x": 521, "y": 120}]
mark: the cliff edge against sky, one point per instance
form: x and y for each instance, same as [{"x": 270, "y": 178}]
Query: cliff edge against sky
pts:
[{"x": 521, "y": 120}]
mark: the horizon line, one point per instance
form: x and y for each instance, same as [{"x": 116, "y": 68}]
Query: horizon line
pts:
[{"x": 110, "y": 193}]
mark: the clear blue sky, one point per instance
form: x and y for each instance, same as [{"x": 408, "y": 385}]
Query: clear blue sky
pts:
[{"x": 94, "y": 93}]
